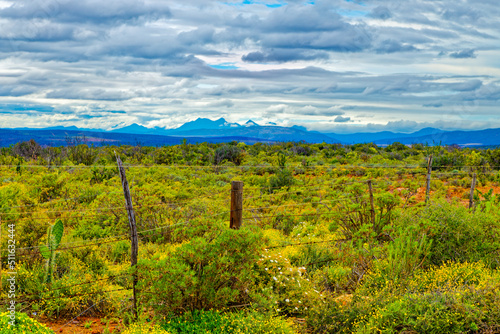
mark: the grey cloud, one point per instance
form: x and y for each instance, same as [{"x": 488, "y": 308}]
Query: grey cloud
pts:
[
  {"x": 224, "y": 103},
  {"x": 439, "y": 34},
  {"x": 315, "y": 111},
  {"x": 407, "y": 36},
  {"x": 407, "y": 126},
  {"x": 348, "y": 107},
  {"x": 279, "y": 74},
  {"x": 36, "y": 30},
  {"x": 95, "y": 11},
  {"x": 294, "y": 19},
  {"x": 399, "y": 126},
  {"x": 350, "y": 39},
  {"x": 332, "y": 112},
  {"x": 89, "y": 94},
  {"x": 487, "y": 92},
  {"x": 311, "y": 27},
  {"x": 381, "y": 12},
  {"x": 467, "y": 85},
  {"x": 433, "y": 105},
  {"x": 340, "y": 119},
  {"x": 461, "y": 14},
  {"x": 391, "y": 46},
  {"x": 283, "y": 55},
  {"x": 467, "y": 53},
  {"x": 201, "y": 35},
  {"x": 331, "y": 88},
  {"x": 16, "y": 90}
]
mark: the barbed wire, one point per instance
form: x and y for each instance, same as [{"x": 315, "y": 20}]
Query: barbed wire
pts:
[
  {"x": 175, "y": 205},
  {"x": 302, "y": 204},
  {"x": 120, "y": 237},
  {"x": 78, "y": 284},
  {"x": 305, "y": 243},
  {"x": 246, "y": 166},
  {"x": 71, "y": 296},
  {"x": 63, "y": 200}
]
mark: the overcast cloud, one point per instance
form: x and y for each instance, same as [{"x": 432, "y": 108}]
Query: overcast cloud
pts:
[{"x": 331, "y": 65}]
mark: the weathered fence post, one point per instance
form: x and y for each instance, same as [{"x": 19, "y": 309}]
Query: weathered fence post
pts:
[
  {"x": 471, "y": 196},
  {"x": 236, "y": 205},
  {"x": 133, "y": 232},
  {"x": 372, "y": 210},
  {"x": 428, "y": 183}
]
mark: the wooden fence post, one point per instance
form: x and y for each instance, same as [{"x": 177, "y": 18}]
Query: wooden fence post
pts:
[
  {"x": 133, "y": 232},
  {"x": 471, "y": 196},
  {"x": 428, "y": 183},
  {"x": 372, "y": 210},
  {"x": 236, "y": 205}
]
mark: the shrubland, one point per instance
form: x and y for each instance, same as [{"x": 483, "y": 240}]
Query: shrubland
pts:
[{"x": 312, "y": 255}]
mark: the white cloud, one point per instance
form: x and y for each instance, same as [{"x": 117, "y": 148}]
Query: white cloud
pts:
[{"x": 388, "y": 60}]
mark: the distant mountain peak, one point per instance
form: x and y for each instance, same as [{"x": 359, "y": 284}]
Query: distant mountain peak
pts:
[
  {"x": 300, "y": 128},
  {"x": 133, "y": 128},
  {"x": 250, "y": 123},
  {"x": 205, "y": 123}
]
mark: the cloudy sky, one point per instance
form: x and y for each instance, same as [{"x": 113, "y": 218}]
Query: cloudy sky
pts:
[{"x": 333, "y": 65}]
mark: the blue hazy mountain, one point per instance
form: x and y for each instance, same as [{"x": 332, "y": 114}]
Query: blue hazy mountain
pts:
[
  {"x": 384, "y": 137},
  {"x": 250, "y": 123},
  {"x": 139, "y": 129},
  {"x": 205, "y": 124},
  {"x": 198, "y": 124},
  {"x": 65, "y": 137},
  {"x": 487, "y": 137},
  {"x": 205, "y": 128},
  {"x": 274, "y": 133},
  {"x": 65, "y": 128},
  {"x": 220, "y": 130}
]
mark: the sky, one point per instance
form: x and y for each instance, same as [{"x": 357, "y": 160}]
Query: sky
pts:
[{"x": 337, "y": 66}]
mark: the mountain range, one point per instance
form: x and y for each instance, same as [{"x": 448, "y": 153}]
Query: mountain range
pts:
[{"x": 220, "y": 130}]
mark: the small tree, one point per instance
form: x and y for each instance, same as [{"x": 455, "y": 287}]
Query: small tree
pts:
[{"x": 283, "y": 178}]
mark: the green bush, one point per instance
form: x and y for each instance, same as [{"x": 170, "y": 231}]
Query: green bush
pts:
[
  {"x": 204, "y": 273},
  {"x": 456, "y": 234},
  {"x": 330, "y": 317},
  {"x": 217, "y": 322},
  {"x": 282, "y": 179},
  {"x": 69, "y": 291},
  {"x": 229, "y": 153}
]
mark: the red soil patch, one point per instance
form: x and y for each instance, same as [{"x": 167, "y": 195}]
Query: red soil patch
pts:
[{"x": 83, "y": 325}]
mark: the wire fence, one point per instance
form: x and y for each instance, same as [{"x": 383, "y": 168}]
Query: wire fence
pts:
[
  {"x": 298, "y": 165},
  {"x": 267, "y": 212}
]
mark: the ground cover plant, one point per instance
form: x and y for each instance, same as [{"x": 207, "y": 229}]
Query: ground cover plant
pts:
[{"x": 316, "y": 253}]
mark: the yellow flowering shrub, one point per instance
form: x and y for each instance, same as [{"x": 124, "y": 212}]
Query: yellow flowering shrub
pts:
[
  {"x": 217, "y": 322},
  {"x": 23, "y": 325},
  {"x": 452, "y": 298},
  {"x": 452, "y": 276},
  {"x": 140, "y": 328}
]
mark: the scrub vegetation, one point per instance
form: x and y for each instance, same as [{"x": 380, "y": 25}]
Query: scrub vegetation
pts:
[{"x": 313, "y": 254}]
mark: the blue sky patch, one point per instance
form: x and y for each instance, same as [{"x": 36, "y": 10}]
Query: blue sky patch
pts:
[
  {"x": 224, "y": 66},
  {"x": 26, "y": 107},
  {"x": 252, "y": 2}
]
